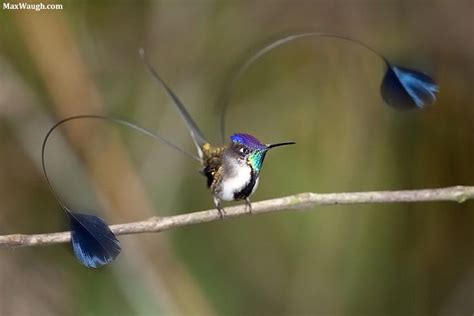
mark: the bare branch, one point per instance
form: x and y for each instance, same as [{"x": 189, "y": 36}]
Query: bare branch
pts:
[{"x": 294, "y": 202}]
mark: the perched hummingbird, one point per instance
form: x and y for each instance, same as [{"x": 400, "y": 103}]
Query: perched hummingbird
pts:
[{"x": 232, "y": 170}]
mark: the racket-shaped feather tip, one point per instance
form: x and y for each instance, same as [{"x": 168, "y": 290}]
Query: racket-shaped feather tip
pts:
[
  {"x": 406, "y": 89},
  {"x": 93, "y": 242}
]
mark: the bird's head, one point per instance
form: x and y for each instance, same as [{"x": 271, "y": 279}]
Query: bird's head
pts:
[{"x": 250, "y": 150}]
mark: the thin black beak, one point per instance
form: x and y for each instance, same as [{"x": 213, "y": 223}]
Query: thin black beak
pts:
[{"x": 279, "y": 144}]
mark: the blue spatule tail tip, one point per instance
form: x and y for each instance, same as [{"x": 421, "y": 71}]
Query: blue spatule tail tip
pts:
[
  {"x": 406, "y": 89},
  {"x": 93, "y": 242}
]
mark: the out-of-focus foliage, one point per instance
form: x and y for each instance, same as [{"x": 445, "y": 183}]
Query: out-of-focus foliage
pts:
[{"x": 412, "y": 259}]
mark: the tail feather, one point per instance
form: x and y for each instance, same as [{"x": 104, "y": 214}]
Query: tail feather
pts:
[
  {"x": 402, "y": 88},
  {"x": 93, "y": 242},
  {"x": 196, "y": 134}
]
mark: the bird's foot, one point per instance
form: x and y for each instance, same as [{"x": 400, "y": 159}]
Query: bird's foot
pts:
[
  {"x": 221, "y": 212},
  {"x": 248, "y": 205}
]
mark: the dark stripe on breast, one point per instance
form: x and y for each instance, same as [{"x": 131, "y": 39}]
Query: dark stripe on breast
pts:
[
  {"x": 208, "y": 173},
  {"x": 247, "y": 190}
]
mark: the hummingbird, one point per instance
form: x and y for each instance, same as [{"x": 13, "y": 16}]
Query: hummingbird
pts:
[{"x": 233, "y": 170}]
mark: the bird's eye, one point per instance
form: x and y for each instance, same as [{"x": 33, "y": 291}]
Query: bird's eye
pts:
[{"x": 243, "y": 150}]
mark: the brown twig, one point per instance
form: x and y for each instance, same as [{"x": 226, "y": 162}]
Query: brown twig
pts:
[{"x": 298, "y": 201}]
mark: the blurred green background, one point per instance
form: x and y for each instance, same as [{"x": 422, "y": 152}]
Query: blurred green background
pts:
[{"x": 403, "y": 259}]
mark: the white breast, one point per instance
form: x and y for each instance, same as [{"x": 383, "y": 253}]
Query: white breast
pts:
[{"x": 236, "y": 183}]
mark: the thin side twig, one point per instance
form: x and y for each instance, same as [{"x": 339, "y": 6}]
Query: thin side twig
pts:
[{"x": 293, "y": 202}]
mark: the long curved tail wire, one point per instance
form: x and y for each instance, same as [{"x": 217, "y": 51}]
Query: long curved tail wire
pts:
[
  {"x": 224, "y": 100},
  {"x": 101, "y": 117},
  {"x": 93, "y": 242}
]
